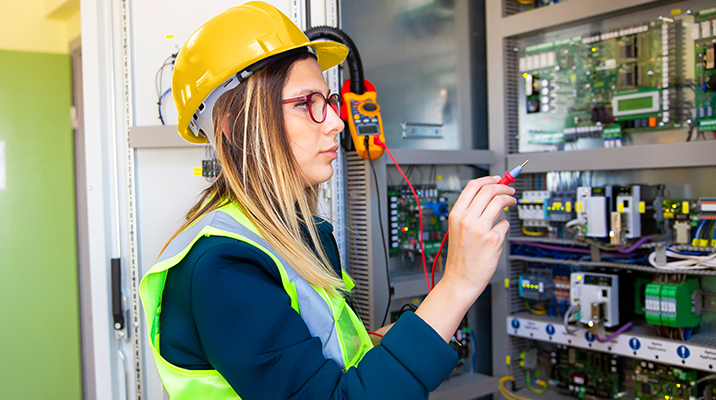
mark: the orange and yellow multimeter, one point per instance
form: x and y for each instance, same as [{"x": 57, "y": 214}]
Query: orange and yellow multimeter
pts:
[{"x": 364, "y": 120}]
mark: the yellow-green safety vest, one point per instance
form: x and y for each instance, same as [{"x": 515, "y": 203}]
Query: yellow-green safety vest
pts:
[{"x": 343, "y": 336}]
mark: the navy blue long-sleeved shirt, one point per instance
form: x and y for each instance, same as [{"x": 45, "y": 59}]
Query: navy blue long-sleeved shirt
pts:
[{"x": 224, "y": 308}]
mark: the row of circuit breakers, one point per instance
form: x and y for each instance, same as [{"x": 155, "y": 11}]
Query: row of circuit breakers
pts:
[
  {"x": 657, "y": 75},
  {"x": 620, "y": 213}
]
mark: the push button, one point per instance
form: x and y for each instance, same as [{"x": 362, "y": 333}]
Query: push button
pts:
[{"x": 370, "y": 106}]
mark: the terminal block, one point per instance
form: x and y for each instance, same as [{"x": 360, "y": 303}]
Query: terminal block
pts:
[
  {"x": 531, "y": 208},
  {"x": 209, "y": 168},
  {"x": 536, "y": 287},
  {"x": 559, "y": 207},
  {"x": 676, "y": 305}
]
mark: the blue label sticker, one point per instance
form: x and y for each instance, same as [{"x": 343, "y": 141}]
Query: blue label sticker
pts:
[
  {"x": 515, "y": 323},
  {"x": 550, "y": 329},
  {"x": 635, "y": 344},
  {"x": 683, "y": 352},
  {"x": 588, "y": 335}
]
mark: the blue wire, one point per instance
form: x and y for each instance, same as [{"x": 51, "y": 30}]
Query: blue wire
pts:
[
  {"x": 474, "y": 352},
  {"x": 690, "y": 253},
  {"x": 698, "y": 228},
  {"x": 165, "y": 94}
]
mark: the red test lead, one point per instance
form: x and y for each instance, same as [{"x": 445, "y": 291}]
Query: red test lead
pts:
[{"x": 510, "y": 176}]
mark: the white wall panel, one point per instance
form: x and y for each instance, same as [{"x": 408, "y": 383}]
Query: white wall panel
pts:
[{"x": 152, "y": 21}]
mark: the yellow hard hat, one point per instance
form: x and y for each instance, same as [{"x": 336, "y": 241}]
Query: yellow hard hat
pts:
[{"x": 225, "y": 51}]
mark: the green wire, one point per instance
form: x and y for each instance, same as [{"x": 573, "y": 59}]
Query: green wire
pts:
[{"x": 529, "y": 384}]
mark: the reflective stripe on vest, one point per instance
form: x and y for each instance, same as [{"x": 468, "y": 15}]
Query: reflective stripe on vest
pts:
[{"x": 342, "y": 335}]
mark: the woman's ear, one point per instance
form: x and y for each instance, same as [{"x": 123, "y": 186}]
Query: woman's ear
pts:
[{"x": 226, "y": 127}]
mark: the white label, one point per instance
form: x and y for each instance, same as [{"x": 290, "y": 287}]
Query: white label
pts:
[{"x": 2, "y": 165}]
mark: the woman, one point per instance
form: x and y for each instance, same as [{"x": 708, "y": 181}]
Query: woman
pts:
[{"x": 249, "y": 293}]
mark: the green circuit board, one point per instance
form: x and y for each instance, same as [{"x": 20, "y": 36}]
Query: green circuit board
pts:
[
  {"x": 601, "y": 86},
  {"x": 658, "y": 382},
  {"x": 586, "y": 373},
  {"x": 405, "y": 219},
  {"x": 705, "y": 72}
]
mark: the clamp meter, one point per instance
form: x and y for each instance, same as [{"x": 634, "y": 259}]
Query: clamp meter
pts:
[{"x": 364, "y": 120}]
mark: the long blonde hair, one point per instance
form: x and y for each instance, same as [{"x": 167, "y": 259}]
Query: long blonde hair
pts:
[{"x": 261, "y": 175}]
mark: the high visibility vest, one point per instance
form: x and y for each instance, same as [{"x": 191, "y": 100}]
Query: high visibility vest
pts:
[{"x": 344, "y": 338}]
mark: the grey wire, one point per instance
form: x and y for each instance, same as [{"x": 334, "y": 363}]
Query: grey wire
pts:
[
  {"x": 705, "y": 378},
  {"x": 572, "y": 309}
]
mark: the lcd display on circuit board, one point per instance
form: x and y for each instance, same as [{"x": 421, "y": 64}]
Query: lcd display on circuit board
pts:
[{"x": 638, "y": 103}]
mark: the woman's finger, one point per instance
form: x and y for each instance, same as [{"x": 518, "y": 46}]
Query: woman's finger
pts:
[
  {"x": 485, "y": 196},
  {"x": 492, "y": 212},
  {"x": 470, "y": 191}
]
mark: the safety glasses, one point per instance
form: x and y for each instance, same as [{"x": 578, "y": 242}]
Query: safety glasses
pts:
[{"x": 317, "y": 104}]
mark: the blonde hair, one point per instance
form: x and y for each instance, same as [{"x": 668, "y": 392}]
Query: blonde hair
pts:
[{"x": 261, "y": 175}]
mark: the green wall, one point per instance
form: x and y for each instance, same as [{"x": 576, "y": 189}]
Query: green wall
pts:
[{"x": 39, "y": 302}]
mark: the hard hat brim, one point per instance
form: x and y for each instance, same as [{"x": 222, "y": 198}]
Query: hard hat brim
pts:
[{"x": 329, "y": 55}]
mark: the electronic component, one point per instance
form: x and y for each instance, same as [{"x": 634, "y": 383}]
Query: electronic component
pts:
[
  {"x": 209, "y": 168},
  {"x": 559, "y": 207},
  {"x": 617, "y": 235},
  {"x": 633, "y": 105},
  {"x": 685, "y": 217},
  {"x": 586, "y": 373},
  {"x": 631, "y": 203},
  {"x": 589, "y": 289},
  {"x": 707, "y": 206},
  {"x": 657, "y": 382},
  {"x": 673, "y": 304},
  {"x": 437, "y": 208},
  {"x": 593, "y": 209},
  {"x": 536, "y": 287},
  {"x": 530, "y": 208},
  {"x": 405, "y": 221}
]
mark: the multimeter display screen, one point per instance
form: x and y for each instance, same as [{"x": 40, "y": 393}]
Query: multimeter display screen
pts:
[{"x": 368, "y": 130}]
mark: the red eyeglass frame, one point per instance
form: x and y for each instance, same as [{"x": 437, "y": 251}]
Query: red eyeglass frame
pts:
[{"x": 326, "y": 101}]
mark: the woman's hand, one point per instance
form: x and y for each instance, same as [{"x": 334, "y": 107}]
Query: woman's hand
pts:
[
  {"x": 475, "y": 239},
  {"x": 475, "y": 247}
]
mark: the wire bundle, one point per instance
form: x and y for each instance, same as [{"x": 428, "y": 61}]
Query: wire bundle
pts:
[
  {"x": 509, "y": 395},
  {"x": 688, "y": 261}
]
